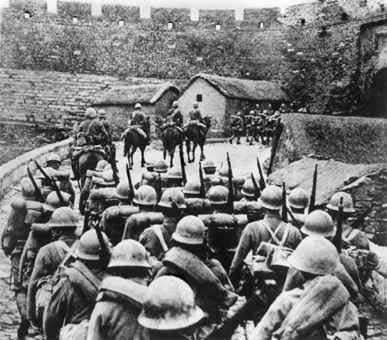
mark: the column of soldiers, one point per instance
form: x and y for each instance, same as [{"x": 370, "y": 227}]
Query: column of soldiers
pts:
[{"x": 175, "y": 259}]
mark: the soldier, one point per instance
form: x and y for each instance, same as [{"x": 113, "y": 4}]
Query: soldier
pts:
[
  {"x": 351, "y": 236},
  {"x": 24, "y": 211},
  {"x": 160, "y": 167},
  {"x": 74, "y": 294},
  {"x": 93, "y": 130},
  {"x": 169, "y": 310},
  {"x": 106, "y": 125},
  {"x": 209, "y": 169},
  {"x": 103, "y": 176},
  {"x": 114, "y": 218},
  {"x": 138, "y": 119},
  {"x": 187, "y": 259},
  {"x": 248, "y": 203},
  {"x": 195, "y": 117},
  {"x": 175, "y": 115},
  {"x": 250, "y": 127},
  {"x": 157, "y": 238},
  {"x": 237, "y": 127},
  {"x": 320, "y": 307},
  {"x": 298, "y": 201},
  {"x": 270, "y": 229},
  {"x": 121, "y": 295},
  {"x": 173, "y": 178},
  {"x": 62, "y": 225},
  {"x": 145, "y": 199},
  {"x": 196, "y": 204}
]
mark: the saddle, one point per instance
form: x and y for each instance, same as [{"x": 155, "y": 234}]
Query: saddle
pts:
[
  {"x": 171, "y": 124},
  {"x": 196, "y": 123},
  {"x": 139, "y": 129}
]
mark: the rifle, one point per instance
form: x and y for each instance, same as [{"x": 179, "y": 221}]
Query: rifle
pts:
[
  {"x": 338, "y": 241},
  {"x": 312, "y": 201},
  {"x": 116, "y": 179},
  {"x": 202, "y": 187},
  {"x": 182, "y": 164},
  {"x": 130, "y": 183},
  {"x": 256, "y": 187},
  {"x": 242, "y": 314},
  {"x": 230, "y": 199},
  {"x": 104, "y": 253},
  {"x": 38, "y": 192},
  {"x": 86, "y": 219},
  {"x": 274, "y": 146},
  {"x": 262, "y": 183},
  {"x": 158, "y": 187},
  {"x": 53, "y": 183},
  {"x": 284, "y": 216}
]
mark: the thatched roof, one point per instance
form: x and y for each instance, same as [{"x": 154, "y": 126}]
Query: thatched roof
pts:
[
  {"x": 236, "y": 88},
  {"x": 129, "y": 95}
]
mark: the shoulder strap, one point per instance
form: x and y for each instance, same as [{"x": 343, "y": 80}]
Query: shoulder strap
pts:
[
  {"x": 158, "y": 232},
  {"x": 272, "y": 234},
  {"x": 285, "y": 234}
]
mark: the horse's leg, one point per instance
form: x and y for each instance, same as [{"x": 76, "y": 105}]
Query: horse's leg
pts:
[
  {"x": 171, "y": 156},
  {"x": 202, "y": 156},
  {"x": 164, "y": 152},
  {"x": 195, "y": 144},
  {"x": 143, "y": 156},
  {"x": 188, "y": 147}
]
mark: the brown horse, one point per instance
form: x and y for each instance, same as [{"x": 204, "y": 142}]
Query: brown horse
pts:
[
  {"x": 133, "y": 140},
  {"x": 171, "y": 136},
  {"x": 88, "y": 161},
  {"x": 197, "y": 135}
]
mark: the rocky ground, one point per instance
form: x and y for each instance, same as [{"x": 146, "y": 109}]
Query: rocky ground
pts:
[{"x": 243, "y": 158}]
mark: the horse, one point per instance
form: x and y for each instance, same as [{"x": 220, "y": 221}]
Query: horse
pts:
[
  {"x": 88, "y": 161},
  {"x": 171, "y": 136},
  {"x": 133, "y": 139},
  {"x": 197, "y": 135}
]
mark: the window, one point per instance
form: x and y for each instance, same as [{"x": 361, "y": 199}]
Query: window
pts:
[
  {"x": 27, "y": 14},
  {"x": 199, "y": 98},
  {"x": 261, "y": 25}
]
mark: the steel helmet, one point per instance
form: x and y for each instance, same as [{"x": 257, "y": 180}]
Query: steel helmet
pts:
[
  {"x": 216, "y": 180},
  {"x": 251, "y": 112},
  {"x": 190, "y": 230},
  {"x": 319, "y": 223},
  {"x": 170, "y": 196},
  {"x": 238, "y": 181},
  {"x": 160, "y": 166},
  {"x": 150, "y": 163},
  {"x": 175, "y": 104},
  {"x": 248, "y": 188},
  {"x": 138, "y": 106},
  {"x": 63, "y": 217},
  {"x": 209, "y": 167},
  {"x": 223, "y": 172},
  {"x": 315, "y": 255},
  {"x": 174, "y": 173},
  {"x": 122, "y": 191},
  {"x": 101, "y": 165},
  {"x": 347, "y": 202},
  {"x": 54, "y": 202},
  {"x": 271, "y": 198},
  {"x": 102, "y": 113},
  {"x": 53, "y": 157},
  {"x": 27, "y": 188},
  {"x": 90, "y": 113},
  {"x": 298, "y": 199},
  {"x": 89, "y": 247},
  {"x": 192, "y": 188},
  {"x": 129, "y": 253},
  {"x": 169, "y": 304},
  {"x": 145, "y": 195},
  {"x": 218, "y": 194}
]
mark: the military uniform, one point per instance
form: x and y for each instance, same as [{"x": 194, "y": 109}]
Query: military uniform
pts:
[{"x": 94, "y": 132}]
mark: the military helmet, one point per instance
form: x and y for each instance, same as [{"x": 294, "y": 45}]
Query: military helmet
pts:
[
  {"x": 174, "y": 173},
  {"x": 216, "y": 180},
  {"x": 218, "y": 195},
  {"x": 271, "y": 198},
  {"x": 298, "y": 199},
  {"x": 209, "y": 167},
  {"x": 195, "y": 105},
  {"x": 320, "y": 223},
  {"x": 315, "y": 255},
  {"x": 347, "y": 202},
  {"x": 160, "y": 166},
  {"x": 171, "y": 197},
  {"x": 122, "y": 191},
  {"x": 90, "y": 113},
  {"x": 192, "y": 188},
  {"x": 169, "y": 304},
  {"x": 27, "y": 188},
  {"x": 63, "y": 217},
  {"x": 129, "y": 253},
  {"x": 102, "y": 113},
  {"x": 248, "y": 188},
  {"x": 175, "y": 104},
  {"x": 53, "y": 157},
  {"x": 53, "y": 200},
  {"x": 138, "y": 106},
  {"x": 223, "y": 171},
  {"x": 101, "y": 165},
  {"x": 89, "y": 248},
  {"x": 252, "y": 112},
  {"x": 150, "y": 163},
  {"x": 145, "y": 195},
  {"x": 190, "y": 230}
]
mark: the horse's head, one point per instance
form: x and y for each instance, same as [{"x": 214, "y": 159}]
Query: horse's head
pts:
[{"x": 207, "y": 121}]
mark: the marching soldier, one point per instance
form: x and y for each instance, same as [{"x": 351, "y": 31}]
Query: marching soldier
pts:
[
  {"x": 248, "y": 203},
  {"x": 270, "y": 229},
  {"x": 320, "y": 308},
  {"x": 170, "y": 311},
  {"x": 25, "y": 211},
  {"x": 187, "y": 259},
  {"x": 250, "y": 127},
  {"x": 237, "y": 127},
  {"x": 298, "y": 201},
  {"x": 145, "y": 199},
  {"x": 193, "y": 198},
  {"x": 209, "y": 169},
  {"x": 74, "y": 295},
  {"x": 157, "y": 238},
  {"x": 351, "y": 236},
  {"x": 121, "y": 295},
  {"x": 114, "y": 218},
  {"x": 173, "y": 178}
]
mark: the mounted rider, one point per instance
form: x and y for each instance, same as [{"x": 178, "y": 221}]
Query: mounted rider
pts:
[
  {"x": 195, "y": 117},
  {"x": 175, "y": 116},
  {"x": 140, "y": 122}
]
